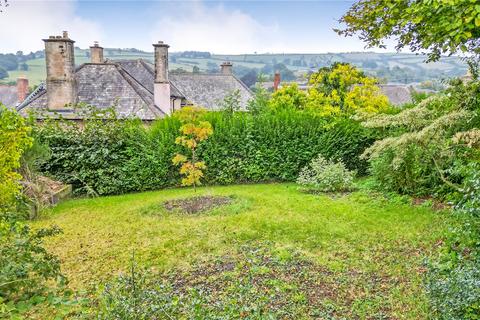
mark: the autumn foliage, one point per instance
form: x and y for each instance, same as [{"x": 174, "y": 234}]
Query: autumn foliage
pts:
[{"x": 194, "y": 130}]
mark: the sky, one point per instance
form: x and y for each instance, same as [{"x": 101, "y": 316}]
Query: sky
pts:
[{"x": 222, "y": 27}]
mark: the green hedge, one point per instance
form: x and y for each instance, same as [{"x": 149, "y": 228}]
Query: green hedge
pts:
[{"x": 118, "y": 156}]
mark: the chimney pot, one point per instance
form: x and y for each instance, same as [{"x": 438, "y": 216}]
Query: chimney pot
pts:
[
  {"x": 96, "y": 53},
  {"x": 226, "y": 68},
  {"x": 65, "y": 34}
]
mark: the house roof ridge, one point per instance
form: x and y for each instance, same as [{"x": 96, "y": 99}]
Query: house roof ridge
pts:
[{"x": 130, "y": 80}]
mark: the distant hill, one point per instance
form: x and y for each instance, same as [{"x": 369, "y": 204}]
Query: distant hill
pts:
[{"x": 391, "y": 67}]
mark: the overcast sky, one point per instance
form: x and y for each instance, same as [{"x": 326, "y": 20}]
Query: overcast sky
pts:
[{"x": 217, "y": 26}]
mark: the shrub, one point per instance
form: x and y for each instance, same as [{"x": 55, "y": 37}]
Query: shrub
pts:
[
  {"x": 453, "y": 279},
  {"x": 470, "y": 202},
  {"x": 14, "y": 140},
  {"x": 326, "y": 176},
  {"x": 456, "y": 294},
  {"x": 423, "y": 147},
  {"x": 26, "y": 268},
  {"x": 119, "y": 156}
]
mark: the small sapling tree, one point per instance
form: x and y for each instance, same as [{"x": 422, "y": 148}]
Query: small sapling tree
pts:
[{"x": 194, "y": 130}]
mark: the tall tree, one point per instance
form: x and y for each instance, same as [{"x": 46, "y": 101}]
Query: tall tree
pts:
[{"x": 433, "y": 26}]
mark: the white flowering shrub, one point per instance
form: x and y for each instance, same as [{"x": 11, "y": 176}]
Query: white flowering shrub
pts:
[{"x": 322, "y": 175}]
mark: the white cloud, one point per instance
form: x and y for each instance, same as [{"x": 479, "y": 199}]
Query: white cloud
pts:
[
  {"x": 197, "y": 26},
  {"x": 24, "y": 23}
]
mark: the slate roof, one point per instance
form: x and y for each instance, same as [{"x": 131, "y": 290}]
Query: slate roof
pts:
[
  {"x": 8, "y": 96},
  {"x": 103, "y": 86},
  {"x": 397, "y": 94},
  {"x": 128, "y": 85},
  {"x": 209, "y": 90},
  {"x": 201, "y": 89}
]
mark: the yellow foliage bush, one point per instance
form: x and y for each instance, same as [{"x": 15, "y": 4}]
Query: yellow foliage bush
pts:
[{"x": 14, "y": 140}]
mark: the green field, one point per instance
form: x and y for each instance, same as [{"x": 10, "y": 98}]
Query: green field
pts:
[
  {"x": 299, "y": 63},
  {"x": 362, "y": 252}
]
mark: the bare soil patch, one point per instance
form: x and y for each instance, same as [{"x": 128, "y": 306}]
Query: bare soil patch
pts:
[
  {"x": 435, "y": 204},
  {"x": 196, "y": 204},
  {"x": 281, "y": 287}
]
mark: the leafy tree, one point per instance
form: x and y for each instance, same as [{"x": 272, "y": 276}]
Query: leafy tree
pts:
[
  {"x": 285, "y": 73},
  {"x": 179, "y": 71},
  {"x": 250, "y": 78},
  {"x": 194, "y": 130},
  {"x": 289, "y": 97},
  {"x": 438, "y": 26},
  {"x": 14, "y": 139},
  {"x": 196, "y": 69},
  {"x": 212, "y": 67},
  {"x": 260, "y": 101},
  {"x": 335, "y": 90},
  {"x": 23, "y": 67},
  {"x": 231, "y": 103},
  {"x": 9, "y": 61}
]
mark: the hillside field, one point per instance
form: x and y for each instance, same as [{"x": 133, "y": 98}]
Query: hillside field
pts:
[{"x": 394, "y": 67}]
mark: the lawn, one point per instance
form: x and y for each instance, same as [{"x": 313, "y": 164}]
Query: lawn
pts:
[{"x": 362, "y": 253}]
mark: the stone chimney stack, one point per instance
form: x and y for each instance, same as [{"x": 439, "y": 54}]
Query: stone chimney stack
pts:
[
  {"x": 96, "y": 53},
  {"x": 22, "y": 89},
  {"x": 276, "y": 81},
  {"x": 226, "y": 68},
  {"x": 161, "y": 86},
  {"x": 60, "y": 62}
]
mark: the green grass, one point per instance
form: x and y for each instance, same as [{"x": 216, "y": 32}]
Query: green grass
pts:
[{"x": 350, "y": 235}]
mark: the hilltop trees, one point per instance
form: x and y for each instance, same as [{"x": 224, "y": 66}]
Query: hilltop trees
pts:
[
  {"x": 3, "y": 73},
  {"x": 438, "y": 26}
]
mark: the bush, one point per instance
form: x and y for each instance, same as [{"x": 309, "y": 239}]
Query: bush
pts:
[
  {"x": 326, "y": 176},
  {"x": 25, "y": 266},
  {"x": 456, "y": 294},
  {"x": 424, "y": 148},
  {"x": 470, "y": 202},
  {"x": 453, "y": 280},
  {"x": 27, "y": 270},
  {"x": 119, "y": 156},
  {"x": 14, "y": 140}
]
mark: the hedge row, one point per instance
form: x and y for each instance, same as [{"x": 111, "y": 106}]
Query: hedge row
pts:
[{"x": 117, "y": 156}]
